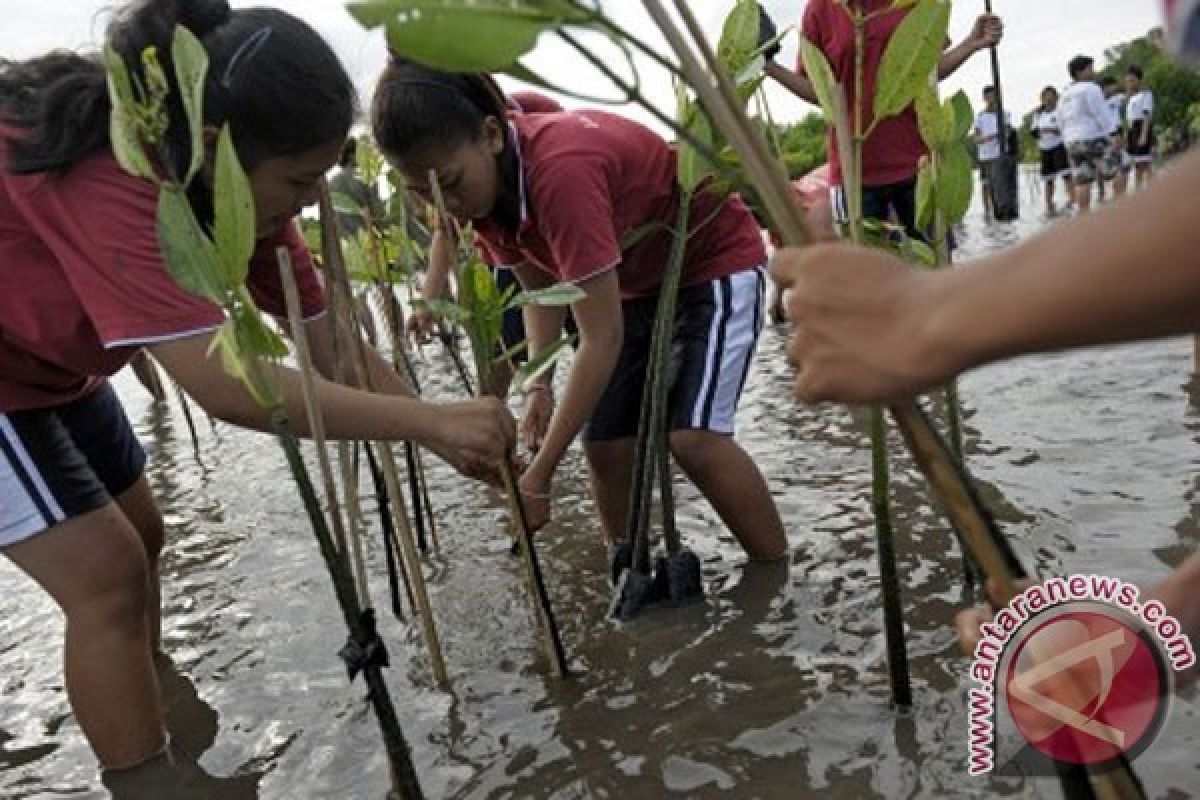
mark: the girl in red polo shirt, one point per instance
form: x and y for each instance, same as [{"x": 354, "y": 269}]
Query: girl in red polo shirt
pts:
[
  {"x": 83, "y": 286},
  {"x": 552, "y": 196}
]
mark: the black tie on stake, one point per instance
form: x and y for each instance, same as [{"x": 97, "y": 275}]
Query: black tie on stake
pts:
[{"x": 365, "y": 651}]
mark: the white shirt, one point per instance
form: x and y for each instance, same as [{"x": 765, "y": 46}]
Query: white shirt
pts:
[
  {"x": 1116, "y": 102},
  {"x": 985, "y": 126},
  {"x": 1084, "y": 115},
  {"x": 1049, "y": 135},
  {"x": 1140, "y": 107}
]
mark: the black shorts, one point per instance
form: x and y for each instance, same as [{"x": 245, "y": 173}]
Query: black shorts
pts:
[
  {"x": 892, "y": 202},
  {"x": 61, "y": 462},
  {"x": 1055, "y": 163},
  {"x": 717, "y": 325},
  {"x": 1139, "y": 154}
]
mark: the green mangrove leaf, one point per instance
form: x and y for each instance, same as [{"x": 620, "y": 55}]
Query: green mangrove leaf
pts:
[
  {"x": 911, "y": 56},
  {"x": 829, "y": 91},
  {"x": 738, "y": 45},
  {"x": 930, "y": 119},
  {"x": 508, "y": 355},
  {"x": 691, "y": 167},
  {"x": 122, "y": 125},
  {"x": 256, "y": 338},
  {"x": 465, "y": 35},
  {"x": 190, "y": 255},
  {"x": 964, "y": 115},
  {"x": 233, "y": 212},
  {"x": 926, "y": 193},
  {"x": 954, "y": 183},
  {"x": 444, "y": 309},
  {"x": 560, "y": 294},
  {"x": 536, "y": 367},
  {"x": 922, "y": 253},
  {"x": 191, "y": 67}
]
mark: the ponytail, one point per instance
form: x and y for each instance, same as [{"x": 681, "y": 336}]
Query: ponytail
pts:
[
  {"x": 417, "y": 107},
  {"x": 271, "y": 77}
]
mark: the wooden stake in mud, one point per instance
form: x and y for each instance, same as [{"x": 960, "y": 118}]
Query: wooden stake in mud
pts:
[{"x": 340, "y": 287}]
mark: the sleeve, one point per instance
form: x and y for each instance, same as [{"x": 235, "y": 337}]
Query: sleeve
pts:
[
  {"x": 497, "y": 255},
  {"x": 263, "y": 279},
  {"x": 1148, "y": 107},
  {"x": 101, "y": 225},
  {"x": 574, "y": 207}
]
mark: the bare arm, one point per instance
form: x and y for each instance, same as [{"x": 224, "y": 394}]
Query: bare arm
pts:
[
  {"x": 987, "y": 32},
  {"x": 600, "y": 334},
  {"x": 794, "y": 82},
  {"x": 462, "y": 433},
  {"x": 1086, "y": 282}
]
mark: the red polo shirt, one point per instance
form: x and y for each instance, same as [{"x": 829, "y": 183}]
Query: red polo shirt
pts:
[
  {"x": 891, "y": 153},
  {"x": 588, "y": 180},
  {"x": 83, "y": 283}
]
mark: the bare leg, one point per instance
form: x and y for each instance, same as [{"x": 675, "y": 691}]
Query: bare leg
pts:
[
  {"x": 1120, "y": 183},
  {"x": 138, "y": 505},
  {"x": 1050, "y": 209},
  {"x": 95, "y": 568},
  {"x": 732, "y": 482},
  {"x": 610, "y": 467},
  {"x": 1083, "y": 196}
]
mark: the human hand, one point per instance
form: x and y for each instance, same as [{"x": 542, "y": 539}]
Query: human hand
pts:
[
  {"x": 535, "y": 495},
  {"x": 864, "y": 325},
  {"x": 767, "y": 33},
  {"x": 987, "y": 31},
  {"x": 474, "y": 437},
  {"x": 539, "y": 408}
]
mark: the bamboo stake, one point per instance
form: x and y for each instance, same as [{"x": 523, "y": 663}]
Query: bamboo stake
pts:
[
  {"x": 316, "y": 422},
  {"x": 340, "y": 287}
]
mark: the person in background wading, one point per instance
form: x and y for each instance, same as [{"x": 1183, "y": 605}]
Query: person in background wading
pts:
[
  {"x": 83, "y": 286},
  {"x": 986, "y": 134},
  {"x": 892, "y": 153},
  {"x": 1055, "y": 162},
  {"x": 552, "y": 196},
  {"x": 1139, "y": 117}
]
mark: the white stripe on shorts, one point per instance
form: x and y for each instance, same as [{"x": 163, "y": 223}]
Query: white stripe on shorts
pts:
[
  {"x": 20, "y": 516},
  {"x": 726, "y": 366}
]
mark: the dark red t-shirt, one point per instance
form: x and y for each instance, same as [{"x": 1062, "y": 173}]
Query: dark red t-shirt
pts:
[
  {"x": 893, "y": 150},
  {"x": 83, "y": 283},
  {"x": 535, "y": 103},
  {"x": 588, "y": 180}
]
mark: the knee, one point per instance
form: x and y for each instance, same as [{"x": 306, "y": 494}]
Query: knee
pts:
[{"x": 114, "y": 595}]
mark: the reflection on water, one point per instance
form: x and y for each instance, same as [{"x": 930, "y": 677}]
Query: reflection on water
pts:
[{"x": 774, "y": 688}]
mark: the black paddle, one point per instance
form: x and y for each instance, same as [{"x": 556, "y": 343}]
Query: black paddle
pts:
[{"x": 1006, "y": 198}]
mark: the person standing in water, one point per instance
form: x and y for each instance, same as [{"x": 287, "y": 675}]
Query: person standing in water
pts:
[
  {"x": 1139, "y": 116},
  {"x": 987, "y": 133},
  {"x": 84, "y": 286},
  {"x": 552, "y": 196},
  {"x": 1055, "y": 162},
  {"x": 1090, "y": 131}
]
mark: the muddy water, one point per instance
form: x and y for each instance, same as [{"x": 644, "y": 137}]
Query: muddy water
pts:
[{"x": 773, "y": 688}]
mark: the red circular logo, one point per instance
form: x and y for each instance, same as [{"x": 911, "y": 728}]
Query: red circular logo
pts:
[{"x": 1085, "y": 687}]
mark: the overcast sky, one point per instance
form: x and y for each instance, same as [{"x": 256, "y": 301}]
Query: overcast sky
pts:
[{"x": 1041, "y": 36}]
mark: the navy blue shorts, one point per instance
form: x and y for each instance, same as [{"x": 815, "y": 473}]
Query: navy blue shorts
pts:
[
  {"x": 64, "y": 461},
  {"x": 717, "y": 325}
]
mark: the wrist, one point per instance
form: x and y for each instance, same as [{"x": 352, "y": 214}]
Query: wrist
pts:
[
  {"x": 954, "y": 333},
  {"x": 537, "y": 479}
]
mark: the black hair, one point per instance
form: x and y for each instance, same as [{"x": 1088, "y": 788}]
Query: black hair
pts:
[
  {"x": 989, "y": 90},
  {"x": 417, "y": 107},
  {"x": 1108, "y": 80},
  {"x": 1078, "y": 65},
  {"x": 1135, "y": 71},
  {"x": 271, "y": 77}
]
